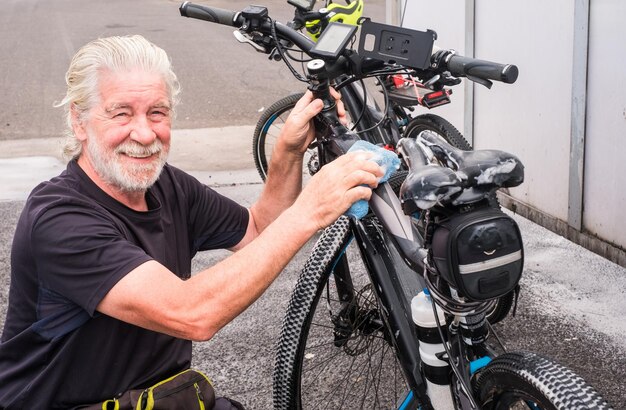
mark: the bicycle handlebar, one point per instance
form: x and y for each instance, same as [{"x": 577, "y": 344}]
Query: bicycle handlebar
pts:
[
  {"x": 236, "y": 19},
  {"x": 211, "y": 14},
  {"x": 460, "y": 66}
]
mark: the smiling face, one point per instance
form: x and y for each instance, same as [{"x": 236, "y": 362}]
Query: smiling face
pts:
[{"x": 126, "y": 135}]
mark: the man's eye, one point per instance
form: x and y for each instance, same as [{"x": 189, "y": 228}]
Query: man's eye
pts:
[{"x": 121, "y": 115}]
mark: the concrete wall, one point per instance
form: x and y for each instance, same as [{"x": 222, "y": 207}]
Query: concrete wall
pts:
[{"x": 565, "y": 117}]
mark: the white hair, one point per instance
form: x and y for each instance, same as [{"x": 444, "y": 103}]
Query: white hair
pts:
[{"x": 110, "y": 54}]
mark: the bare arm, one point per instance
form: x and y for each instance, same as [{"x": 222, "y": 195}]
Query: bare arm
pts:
[{"x": 152, "y": 297}]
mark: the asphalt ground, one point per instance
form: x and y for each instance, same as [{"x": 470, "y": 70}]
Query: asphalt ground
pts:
[{"x": 223, "y": 82}]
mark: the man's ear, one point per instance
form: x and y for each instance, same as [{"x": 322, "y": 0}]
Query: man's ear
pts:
[{"x": 78, "y": 123}]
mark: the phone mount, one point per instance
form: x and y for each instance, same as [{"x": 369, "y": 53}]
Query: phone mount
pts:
[{"x": 410, "y": 48}]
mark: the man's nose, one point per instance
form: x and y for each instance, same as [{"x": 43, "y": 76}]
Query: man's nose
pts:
[{"x": 142, "y": 131}]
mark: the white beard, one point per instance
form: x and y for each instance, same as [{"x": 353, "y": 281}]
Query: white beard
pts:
[{"x": 127, "y": 177}]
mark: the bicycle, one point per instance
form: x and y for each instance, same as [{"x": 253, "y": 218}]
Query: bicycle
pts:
[
  {"x": 404, "y": 92},
  {"x": 430, "y": 228}
]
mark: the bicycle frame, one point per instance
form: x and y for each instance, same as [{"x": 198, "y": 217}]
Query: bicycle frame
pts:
[
  {"x": 386, "y": 250},
  {"x": 382, "y": 265}
]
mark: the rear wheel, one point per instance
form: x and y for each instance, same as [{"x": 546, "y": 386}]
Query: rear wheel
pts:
[
  {"x": 434, "y": 123},
  {"x": 525, "y": 380},
  {"x": 266, "y": 133}
]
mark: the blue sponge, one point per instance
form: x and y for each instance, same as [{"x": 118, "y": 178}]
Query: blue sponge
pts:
[{"x": 388, "y": 160}]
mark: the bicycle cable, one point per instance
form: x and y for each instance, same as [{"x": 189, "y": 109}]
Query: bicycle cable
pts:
[
  {"x": 386, "y": 105},
  {"x": 451, "y": 306},
  {"x": 282, "y": 54},
  {"x": 297, "y": 60},
  {"x": 356, "y": 122},
  {"x": 493, "y": 332},
  {"x": 465, "y": 388}
]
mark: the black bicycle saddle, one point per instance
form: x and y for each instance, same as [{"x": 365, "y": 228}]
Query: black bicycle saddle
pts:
[{"x": 466, "y": 177}]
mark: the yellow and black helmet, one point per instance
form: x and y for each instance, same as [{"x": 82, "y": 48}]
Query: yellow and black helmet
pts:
[{"x": 348, "y": 14}]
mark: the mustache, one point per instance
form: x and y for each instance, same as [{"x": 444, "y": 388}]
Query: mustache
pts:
[{"x": 136, "y": 149}]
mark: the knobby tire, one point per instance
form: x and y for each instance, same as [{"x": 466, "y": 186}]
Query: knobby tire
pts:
[
  {"x": 527, "y": 379},
  {"x": 267, "y": 129}
]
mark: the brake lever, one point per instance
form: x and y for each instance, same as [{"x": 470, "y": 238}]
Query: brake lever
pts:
[
  {"x": 429, "y": 84},
  {"x": 243, "y": 39},
  {"x": 481, "y": 81}
]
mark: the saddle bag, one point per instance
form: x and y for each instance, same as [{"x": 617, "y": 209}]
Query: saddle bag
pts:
[{"x": 479, "y": 253}]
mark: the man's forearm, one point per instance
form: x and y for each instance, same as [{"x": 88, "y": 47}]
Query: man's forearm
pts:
[
  {"x": 152, "y": 297},
  {"x": 282, "y": 187}
]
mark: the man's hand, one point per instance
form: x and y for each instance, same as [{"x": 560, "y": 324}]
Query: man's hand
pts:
[
  {"x": 284, "y": 181},
  {"x": 338, "y": 185},
  {"x": 298, "y": 132}
]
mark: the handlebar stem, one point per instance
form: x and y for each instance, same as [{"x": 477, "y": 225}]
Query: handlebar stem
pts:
[{"x": 319, "y": 83}]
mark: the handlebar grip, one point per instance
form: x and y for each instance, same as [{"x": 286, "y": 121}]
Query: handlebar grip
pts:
[
  {"x": 460, "y": 66},
  {"x": 211, "y": 14}
]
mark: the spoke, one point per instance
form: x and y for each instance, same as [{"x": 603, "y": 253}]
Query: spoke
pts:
[
  {"x": 395, "y": 383},
  {"x": 324, "y": 326},
  {"x": 337, "y": 353},
  {"x": 327, "y": 299},
  {"x": 345, "y": 379},
  {"x": 354, "y": 380},
  {"x": 369, "y": 356},
  {"x": 366, "y": 384},
  {"x": 335, "y": 377},
  {"x": 380, "y": 365},
  {"x": 285, "y": 114}
]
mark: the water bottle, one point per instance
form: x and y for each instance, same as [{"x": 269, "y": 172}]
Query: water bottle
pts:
[{"x": 436, "y": 371}]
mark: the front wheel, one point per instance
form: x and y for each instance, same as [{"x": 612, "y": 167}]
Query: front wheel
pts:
[
  {"x": 335, "y": 349},
  {"x": 525, "y": 380}
]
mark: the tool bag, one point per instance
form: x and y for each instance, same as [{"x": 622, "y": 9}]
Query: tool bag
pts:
[
  {"x": 189, "y": 389},
  {"x": 479, "y": 253}
]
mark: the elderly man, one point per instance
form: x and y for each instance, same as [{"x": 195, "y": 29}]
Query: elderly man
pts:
[{"x": 102, "y": 299}]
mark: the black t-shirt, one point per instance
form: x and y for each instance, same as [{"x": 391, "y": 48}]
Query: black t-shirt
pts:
[{"x": 72, "y": 244}]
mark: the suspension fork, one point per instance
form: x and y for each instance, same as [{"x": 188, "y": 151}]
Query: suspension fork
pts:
[{"x": 343, "y": 320}]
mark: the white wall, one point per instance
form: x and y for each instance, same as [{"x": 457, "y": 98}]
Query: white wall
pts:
[
  {"x": 530, "y": 118},
  {"x": 533, "y": 117},
  {"x": 450, "y": 29},
  {"x": 605, "y": 154}
]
